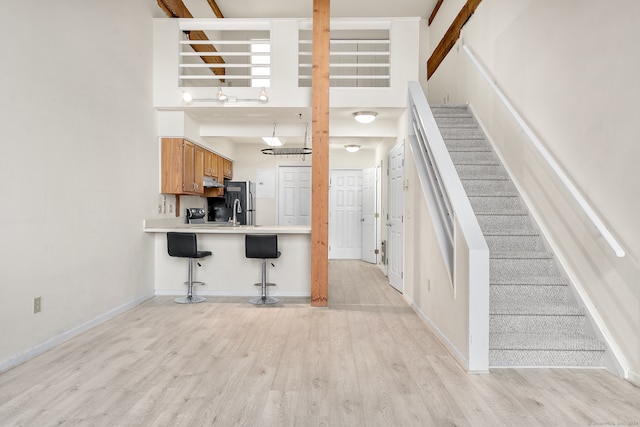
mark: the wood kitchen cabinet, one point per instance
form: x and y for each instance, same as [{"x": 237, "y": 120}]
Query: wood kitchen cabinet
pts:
[
  {"x": 182, "y": 167},
  {"x": 211, "y": 164},
  {"x": 227, "y": 168}
]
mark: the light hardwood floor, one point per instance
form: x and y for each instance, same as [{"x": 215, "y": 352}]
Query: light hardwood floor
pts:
[{"x": 367, "y": 360}]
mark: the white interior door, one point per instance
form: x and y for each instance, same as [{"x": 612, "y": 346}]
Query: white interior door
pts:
[
  {"x": 345, "y": 214},
  {"x": 369, "y": 215},
  {"x": 294, "y": 195},
  {"x": 395, "y": 218}
]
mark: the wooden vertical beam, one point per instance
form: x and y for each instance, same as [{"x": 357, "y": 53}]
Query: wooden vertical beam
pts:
[{"x": 320, "y": 157}]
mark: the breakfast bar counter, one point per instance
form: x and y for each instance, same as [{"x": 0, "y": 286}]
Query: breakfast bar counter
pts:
[{"x": 228, "y": 272}]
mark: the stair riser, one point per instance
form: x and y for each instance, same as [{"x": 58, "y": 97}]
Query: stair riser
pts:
[
  {"x": 484, "y": 204},
  {"x": 521, "y": 267},
  {"x": 501, "y": 222},
  {"x": 517, "y": 293},
  {"x": 464, "y": 133},
  {"x": 545, "y": 358},
  {"x": 480, "y": 171},
  {"x": 444, "y": 111},
  {"x": 461, "y": 157},
  {"x": 467, "y": 145},
  {"x": 459, "y": 121},
  {"x": 535, "y": 324},
  {"x": 486, "y": 186},
  {"x": 514, "y": 243}
]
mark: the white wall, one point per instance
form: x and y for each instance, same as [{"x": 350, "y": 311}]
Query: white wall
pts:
[
  {"x": 78, "y": 166},
  {"x": 570, "y": 68}
]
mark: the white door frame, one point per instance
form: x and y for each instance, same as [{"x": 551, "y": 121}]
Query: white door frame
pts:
[
  {"x": 370, "y": 215},
  {"x": 395, "y": 226}
]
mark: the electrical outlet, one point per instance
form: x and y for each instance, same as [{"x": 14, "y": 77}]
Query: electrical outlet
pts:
[
  {"x": 171, "y": 208},
  {"x": 37, "y": 305},
  {"x": 429, "y": 285},
  {"x": 159, "y": 209}
]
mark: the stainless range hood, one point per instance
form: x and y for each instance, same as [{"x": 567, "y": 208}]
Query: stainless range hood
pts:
[{"x": 212, "y": 183}]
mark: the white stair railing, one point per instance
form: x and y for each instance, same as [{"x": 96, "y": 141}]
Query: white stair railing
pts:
[
  {"x": 461, "y": 241},
  {"x": 573, "y": 190}
]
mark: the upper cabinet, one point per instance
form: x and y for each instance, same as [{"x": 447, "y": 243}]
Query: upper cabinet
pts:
[
  {"x": 211, "y": 164},
  {"x": 227, "y": 168},
  {"x": 185, "y": 164},
  {"x": 182, "y": 167}
]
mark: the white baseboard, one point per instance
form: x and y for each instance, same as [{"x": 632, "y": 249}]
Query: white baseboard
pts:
[
  {"x": 634, "y": 378},
  {"x": 459, "y": 357},
  {"x": 49, "y": 344}
]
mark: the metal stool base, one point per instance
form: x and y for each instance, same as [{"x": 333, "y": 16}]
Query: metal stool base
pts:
[
  {"x": 264, "y": 300},
  {"x": 189, "y": 299}
]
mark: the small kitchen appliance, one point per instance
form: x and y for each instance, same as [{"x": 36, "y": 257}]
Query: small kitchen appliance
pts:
[{"x": 196, "y": 215}]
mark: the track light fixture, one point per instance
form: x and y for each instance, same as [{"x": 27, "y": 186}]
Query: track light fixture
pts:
[
  {"x": 187, "y": 98},
  {"x": 262, "y": 97},
  {"x": 221, "y": 95}
]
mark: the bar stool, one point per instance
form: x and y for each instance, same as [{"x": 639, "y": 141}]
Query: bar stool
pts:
[
  {"x": 263, "y": 246},
  {"x": 185, "y": 245}
]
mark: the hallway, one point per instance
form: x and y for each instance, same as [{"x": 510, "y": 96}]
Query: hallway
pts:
[{"x": 368, "y": 359}]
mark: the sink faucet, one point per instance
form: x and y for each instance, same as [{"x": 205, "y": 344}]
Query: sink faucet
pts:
[{"x": 236, "y": 210}]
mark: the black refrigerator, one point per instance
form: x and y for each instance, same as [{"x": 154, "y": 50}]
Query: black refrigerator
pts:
[{"x": 245, "y": 191}]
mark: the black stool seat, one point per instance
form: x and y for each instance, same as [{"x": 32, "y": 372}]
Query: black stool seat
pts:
[
  {"x": 262, "y": 246},
  {"x": 185, "y": 245}
]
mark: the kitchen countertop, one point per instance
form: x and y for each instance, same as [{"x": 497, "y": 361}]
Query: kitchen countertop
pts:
[{"x": 177, "y": 224}]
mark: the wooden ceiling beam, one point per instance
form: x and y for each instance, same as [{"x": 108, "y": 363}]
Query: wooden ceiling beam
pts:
[
  {"x": 177, "y": 9},
  {"x": 174, "y": 9},
  {"x": 435, "y": 11},
  {"x": 215, "y": 8},
  {"x": 451, "y": 36}
]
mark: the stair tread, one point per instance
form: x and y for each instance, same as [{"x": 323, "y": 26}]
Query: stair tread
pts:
[
  {"x": 512, "y": 232},
  {"x": 530, "y": 281},
  {"x": 504, "y": 177},
  {"x": 473, "y": 162},
  {"x": 558, "y": 341},
  {"x": 471, "y": 149},
  {"x": 526, "y": 308},
  {"x": 520, "y": 255},
  {"x": 486, "y": 177},
  {"x": 505, "y": 193},
  {"x": 502, "y": 212}
]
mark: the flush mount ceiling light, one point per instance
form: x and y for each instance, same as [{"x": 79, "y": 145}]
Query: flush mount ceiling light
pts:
[
  {"x": 365, "y": 116},
  {"x": 352, "y": 148},
  {"x": 187, "y": 98}
]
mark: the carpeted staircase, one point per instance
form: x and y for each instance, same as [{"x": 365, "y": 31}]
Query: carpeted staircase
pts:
[{"x": 532, "y": 322}]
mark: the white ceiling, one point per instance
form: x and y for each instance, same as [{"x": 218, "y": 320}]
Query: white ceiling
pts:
[{"x": 304, "y": 9}]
